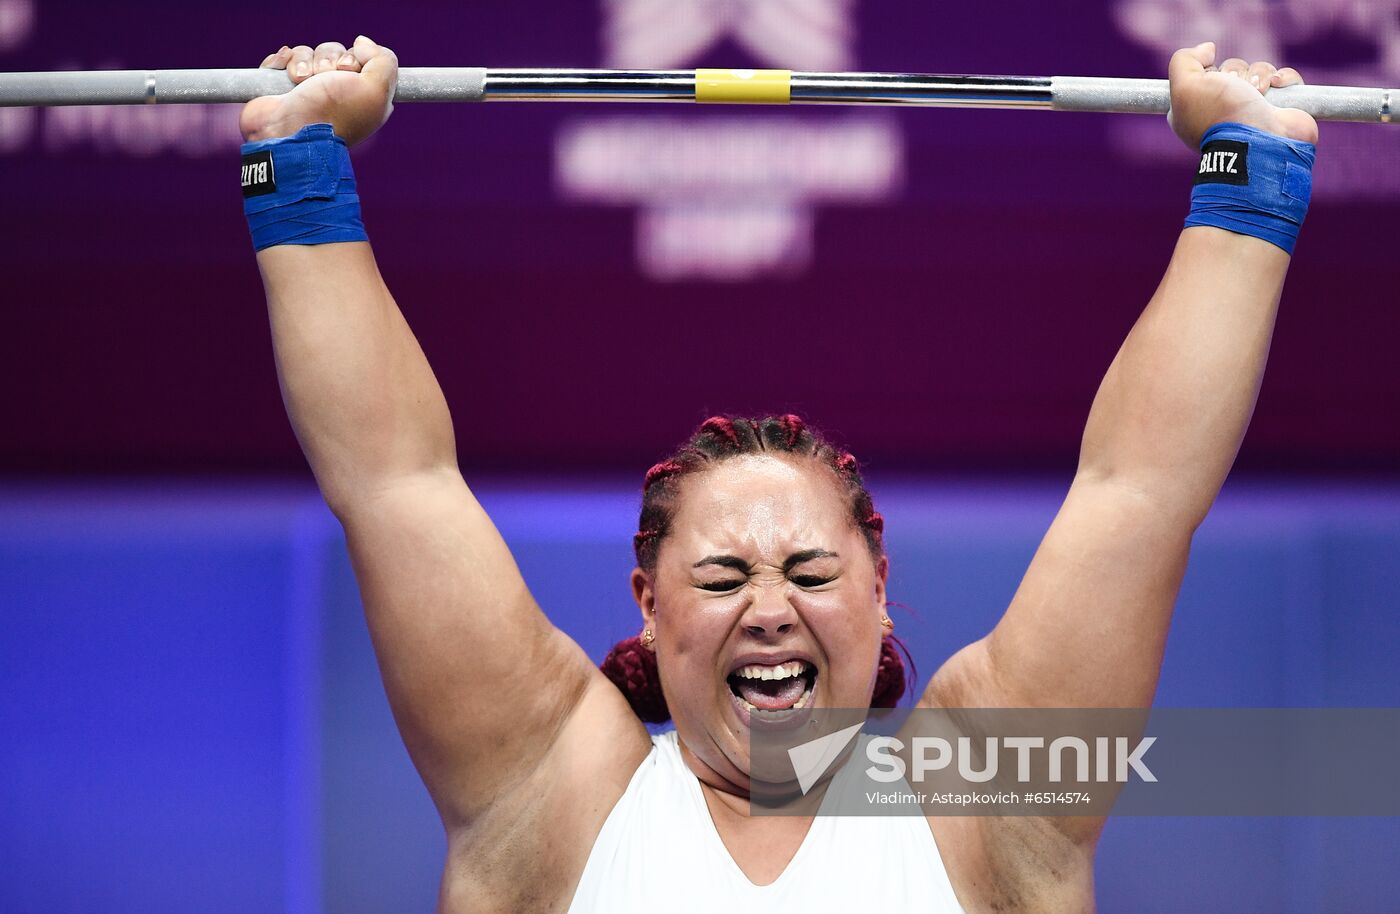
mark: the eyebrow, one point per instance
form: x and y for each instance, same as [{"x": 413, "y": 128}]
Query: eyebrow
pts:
[{"x": 738, "y": 564}]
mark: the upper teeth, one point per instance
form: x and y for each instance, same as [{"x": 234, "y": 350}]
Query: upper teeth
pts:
[{"x": 780, "y": 671}]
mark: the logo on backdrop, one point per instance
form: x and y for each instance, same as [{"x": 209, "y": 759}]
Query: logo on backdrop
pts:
[
  {"x": 16, "y": 22},
  {"x": 16, "y": 25},
  {"x": 728, "y": 198},
  {"x": 138, "y": 131},
  {"x": 1307, "y": 34},
  {"x": 791, "y": 34}
]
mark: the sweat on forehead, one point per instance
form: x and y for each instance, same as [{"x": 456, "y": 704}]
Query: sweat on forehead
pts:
[
  {"x": 721, "y": 439},
  {"x": 762, "y": 506}
]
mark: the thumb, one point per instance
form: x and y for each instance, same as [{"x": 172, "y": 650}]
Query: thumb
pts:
[
  {"x": 256, "y": 115},
  {"x": 1298, "y": 125},
  {"x": 1190, "y": 61}
]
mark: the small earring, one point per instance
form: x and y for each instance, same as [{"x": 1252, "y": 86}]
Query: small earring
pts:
[
  {"x": 887, "y": 623},
  {"x": 647, "y": 637}
]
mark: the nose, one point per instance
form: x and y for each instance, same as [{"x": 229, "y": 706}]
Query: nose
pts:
[{"x": 769, "y": 613}]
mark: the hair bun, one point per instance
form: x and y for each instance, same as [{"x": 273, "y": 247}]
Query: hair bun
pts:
[
  {"x": 890, "y": 681},
  {"x": 632, "y": 668}
]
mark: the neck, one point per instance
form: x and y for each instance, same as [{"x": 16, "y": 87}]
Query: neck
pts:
[{"x": 733, "y": 794}]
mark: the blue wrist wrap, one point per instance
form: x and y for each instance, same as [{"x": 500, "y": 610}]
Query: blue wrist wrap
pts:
[
  {"x": 300, "y": 190},
  {"x": 1253, "y": 182}
]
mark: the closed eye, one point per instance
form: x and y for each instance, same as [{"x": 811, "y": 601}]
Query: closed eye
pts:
[
  {"x": 721, "y": 586},
  {"x": 810, "y": 580}
]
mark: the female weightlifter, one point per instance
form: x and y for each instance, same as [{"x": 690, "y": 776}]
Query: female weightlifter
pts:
[{"x": 760, "y": 571}]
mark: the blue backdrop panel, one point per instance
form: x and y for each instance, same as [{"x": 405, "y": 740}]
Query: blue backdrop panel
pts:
[
  {"x": 192, "y": 717},
  {"x": 148, "y": 725}
]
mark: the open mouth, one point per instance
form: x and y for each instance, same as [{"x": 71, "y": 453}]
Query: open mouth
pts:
[{"x": 773, "y": 687}]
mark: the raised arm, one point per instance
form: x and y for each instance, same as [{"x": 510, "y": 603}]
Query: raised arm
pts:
[
  {"x": 1088, "y": 626},
  {"x": 479, "y": 680}
]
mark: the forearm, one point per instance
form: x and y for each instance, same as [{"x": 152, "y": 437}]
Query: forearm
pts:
[
  {"x": 1172, "y": 410},
  {"x": 358, "y": 390}
]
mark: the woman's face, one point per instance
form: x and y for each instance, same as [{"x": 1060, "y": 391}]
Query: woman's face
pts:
[{"x": 765, "y": 595}]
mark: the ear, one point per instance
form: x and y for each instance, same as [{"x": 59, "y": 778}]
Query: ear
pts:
[
  {"x": 882, "y": 575},
  {"x": 644, "y": 594}
]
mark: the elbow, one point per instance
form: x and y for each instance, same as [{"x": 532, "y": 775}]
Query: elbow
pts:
[
  {"x": 342, "y": 492},
  {"x": 348, "y": 493},
  {"x": 1158, "y": 496}
]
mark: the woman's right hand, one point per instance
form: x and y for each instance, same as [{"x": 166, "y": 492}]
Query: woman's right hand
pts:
[{"x": 350, "y": 89}]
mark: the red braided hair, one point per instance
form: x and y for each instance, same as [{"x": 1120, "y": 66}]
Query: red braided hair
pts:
[{"x": 632, "y": 667}]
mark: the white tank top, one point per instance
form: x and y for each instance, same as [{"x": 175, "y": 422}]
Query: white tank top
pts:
[{"x": 659, "y": 851}]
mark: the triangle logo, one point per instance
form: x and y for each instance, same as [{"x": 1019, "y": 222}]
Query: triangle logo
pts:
[{"x": 811, "y": 759}]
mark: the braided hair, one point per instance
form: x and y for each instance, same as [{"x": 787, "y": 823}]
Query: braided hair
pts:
[{"x": 630, "y": 665}]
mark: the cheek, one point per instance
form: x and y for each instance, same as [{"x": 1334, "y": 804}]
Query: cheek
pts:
[
  {"x": 852, "y": 607},
  {"x": 844, "y": 631},
  {"x": 849, "y": 632},
  {"x": 693, "y": 631}
]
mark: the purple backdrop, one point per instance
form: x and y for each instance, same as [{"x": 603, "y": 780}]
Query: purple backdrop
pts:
[
  {"x": 956, "y": 308},
  {"x": 943, "y": 289}
]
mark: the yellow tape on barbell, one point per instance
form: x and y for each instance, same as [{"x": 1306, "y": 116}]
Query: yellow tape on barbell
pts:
[{"x": 773, "y": 87}]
